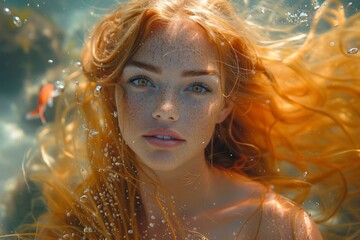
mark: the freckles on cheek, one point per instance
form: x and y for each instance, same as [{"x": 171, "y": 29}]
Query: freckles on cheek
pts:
[
  {"x": 134, "y": 108},
  {"x": 202, "y": 120}
]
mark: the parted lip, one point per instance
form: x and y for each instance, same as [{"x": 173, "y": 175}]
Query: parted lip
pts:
[{"x": 165, "y": 132}]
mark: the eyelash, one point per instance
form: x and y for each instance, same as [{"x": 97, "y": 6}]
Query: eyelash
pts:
[
  {"x": 200, "y": 84},
  {"x": 137, "y": 78},
  {"x": 205, "y": 88}
]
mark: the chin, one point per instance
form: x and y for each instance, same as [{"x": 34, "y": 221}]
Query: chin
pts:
[{"x": 162, "y": 165}]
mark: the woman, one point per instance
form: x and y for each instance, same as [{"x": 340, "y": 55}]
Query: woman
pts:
[{"x": 188, "y": 127}]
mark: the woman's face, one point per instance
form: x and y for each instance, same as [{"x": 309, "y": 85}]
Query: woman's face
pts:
[{"x": 171, "y": 97}]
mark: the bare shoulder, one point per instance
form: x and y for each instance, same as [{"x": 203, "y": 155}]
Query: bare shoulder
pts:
[
  {"x": 252, "y": 211},
  {"x": 282, "y": 219}
]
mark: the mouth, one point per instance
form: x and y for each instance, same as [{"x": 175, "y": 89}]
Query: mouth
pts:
[{"x": 166, "y": 139}]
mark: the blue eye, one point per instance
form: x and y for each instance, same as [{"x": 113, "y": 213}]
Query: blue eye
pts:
[
  {"x": 198, "y": 88},
  {"x": 141, "y": 81}
]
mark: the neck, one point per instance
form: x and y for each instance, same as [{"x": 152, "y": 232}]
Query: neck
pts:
[{"x": 188, "y": 187}]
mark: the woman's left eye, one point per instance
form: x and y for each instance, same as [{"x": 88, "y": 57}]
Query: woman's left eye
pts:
[{"x": 198, "y": 88}]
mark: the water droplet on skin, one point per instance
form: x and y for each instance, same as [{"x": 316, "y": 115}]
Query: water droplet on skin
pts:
[
  {"x": 17, "y": 21},
  {"x": 6, "y": 11},
  {"x": 97, "y": 91},
  {"x": 353, "y": 51}
]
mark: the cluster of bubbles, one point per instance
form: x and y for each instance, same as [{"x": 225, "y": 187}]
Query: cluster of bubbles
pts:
[
  {"x": 298, "y": 17},
  {"x": 16, "y": 20}
]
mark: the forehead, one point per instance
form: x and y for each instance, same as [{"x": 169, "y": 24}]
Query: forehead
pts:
[{"x": 183, "y": 44}]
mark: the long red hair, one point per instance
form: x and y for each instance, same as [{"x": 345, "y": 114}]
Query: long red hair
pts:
[{"x": 295, "y": 125}]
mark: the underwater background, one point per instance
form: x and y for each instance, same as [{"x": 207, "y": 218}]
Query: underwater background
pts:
[{"x": 40, "y": 42}]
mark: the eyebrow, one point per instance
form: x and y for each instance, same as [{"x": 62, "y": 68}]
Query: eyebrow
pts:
[{"x": 188, "y": 73}]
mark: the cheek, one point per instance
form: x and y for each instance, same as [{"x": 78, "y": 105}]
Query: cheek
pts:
[
  {"x": 201, "y": 118},
  {"x": 132, "y": 110}
]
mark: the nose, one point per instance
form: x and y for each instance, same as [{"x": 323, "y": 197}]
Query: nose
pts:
[{"x": 166, "y": 110}]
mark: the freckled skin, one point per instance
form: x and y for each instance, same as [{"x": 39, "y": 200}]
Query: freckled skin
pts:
[
  {"x": 174, "y": 49},
  {"x": 215, "y": 203}
]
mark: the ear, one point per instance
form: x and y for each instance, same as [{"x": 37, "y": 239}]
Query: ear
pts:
[{"x": 225, "y": 110}]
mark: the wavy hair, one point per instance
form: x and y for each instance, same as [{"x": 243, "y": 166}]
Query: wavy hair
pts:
[{"x": 295, "y": 125}]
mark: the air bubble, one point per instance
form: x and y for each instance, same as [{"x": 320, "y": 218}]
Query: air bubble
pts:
[
  {"x": 353, "y": 51},
  {"x": 17, "y": 21},
  {"x": 97, "y": 91},
  {"x": 50, "y": 61},
  {"x": 87, "y": 229},
  {"x": 130, "y": 231},
  {"x": 305, "y": 174},
  {"x": 93, "y": 133},
  {"x": 78, "y": 64},
  {"x": 6, "y": 11},
  {"x": 59, "y": 86},
  {"x": 83, "y": 198}
]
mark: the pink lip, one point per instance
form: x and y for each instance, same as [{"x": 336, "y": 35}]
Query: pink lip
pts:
[{"x": 164, "y": 143}]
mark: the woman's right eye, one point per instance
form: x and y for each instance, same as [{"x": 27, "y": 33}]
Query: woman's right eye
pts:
[{"x": 141, "y": 81}]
